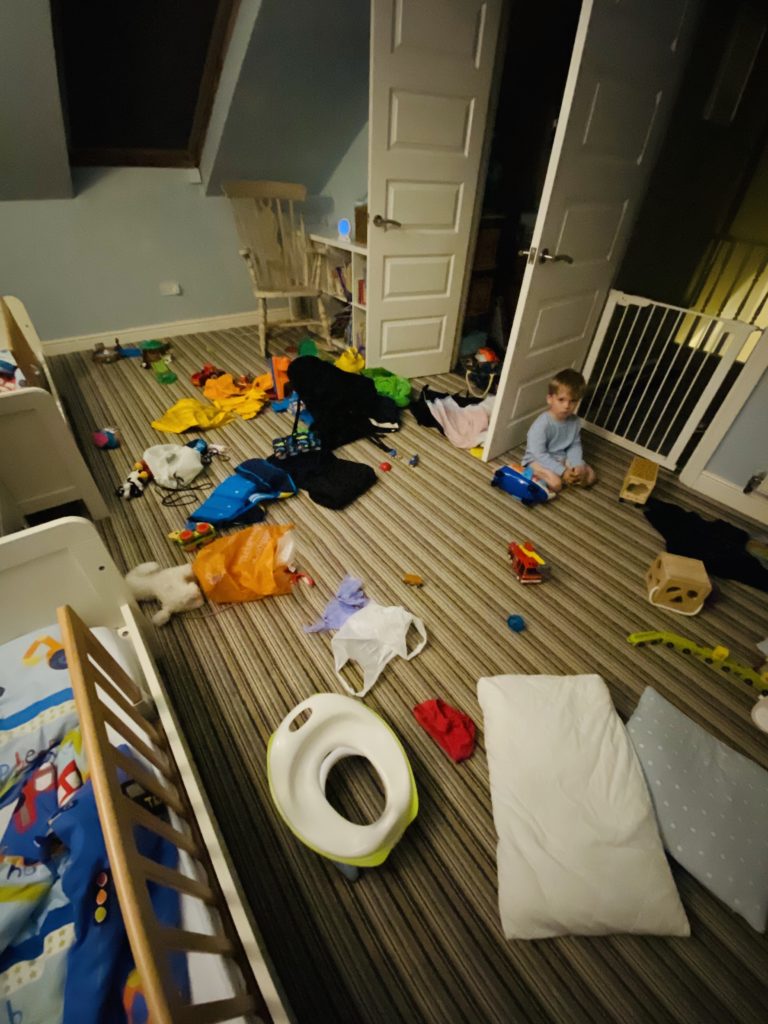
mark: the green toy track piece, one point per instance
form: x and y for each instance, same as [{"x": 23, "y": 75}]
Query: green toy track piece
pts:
[
  {"x": 162, "y": 373},
  {"x": 717, "y": 658}
]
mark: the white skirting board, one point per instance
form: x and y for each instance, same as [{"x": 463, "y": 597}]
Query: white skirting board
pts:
[
  {"x": 754, "y": 505},
  {"x": 135, "y": 335}
]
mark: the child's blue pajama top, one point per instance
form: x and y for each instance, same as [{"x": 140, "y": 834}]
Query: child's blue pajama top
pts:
[{"x": 552, "y": 443}]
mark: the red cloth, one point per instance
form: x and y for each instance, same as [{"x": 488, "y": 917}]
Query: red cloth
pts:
[{"x": 452, "y": 729}]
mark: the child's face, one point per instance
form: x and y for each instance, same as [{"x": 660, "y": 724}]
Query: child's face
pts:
[{"x": 562, "y": 404}]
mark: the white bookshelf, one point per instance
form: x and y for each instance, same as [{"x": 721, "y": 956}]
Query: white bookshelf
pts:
[{"x": 328, "y": 256}]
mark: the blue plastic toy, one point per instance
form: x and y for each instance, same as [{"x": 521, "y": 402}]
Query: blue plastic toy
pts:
[
  {"x": 520, "y": 484},
  {"x": 516, "y": 623}
]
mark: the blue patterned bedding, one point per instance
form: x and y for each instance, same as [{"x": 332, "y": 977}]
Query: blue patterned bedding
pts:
[{"x": 64, "y": 954}]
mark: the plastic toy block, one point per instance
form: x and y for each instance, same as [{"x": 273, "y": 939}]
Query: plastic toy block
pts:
[{"x": 639, "y": 481}]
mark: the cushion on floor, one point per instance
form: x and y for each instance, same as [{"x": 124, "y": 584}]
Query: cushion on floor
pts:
[
  {"x": 579, "y": 850},
  {"x": 711, "y": 804}
]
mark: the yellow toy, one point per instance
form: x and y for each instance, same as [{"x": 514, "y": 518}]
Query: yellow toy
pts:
[
  {"x": 194, "y": 537},
  {"x": 639, "y": 481},
  {"x": 717, "y": 658}
]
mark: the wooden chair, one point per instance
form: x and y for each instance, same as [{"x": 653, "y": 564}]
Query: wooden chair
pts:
[{"x": 276, "y": 249}]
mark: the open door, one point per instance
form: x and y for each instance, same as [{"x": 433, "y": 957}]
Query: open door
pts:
[
  {"x": 431, "y": 72},
  {"x": 627, "y": 60}
]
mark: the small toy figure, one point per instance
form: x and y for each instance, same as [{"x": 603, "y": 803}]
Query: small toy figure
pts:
[
  {"x": 194, "y": 537},
  {"x": 153, "y": 350},
  {"x": 527, "y": 564},
  {"x": 208, "y": 372},
  {"x": 102, "y": 354},
  {"x": 134, "y": 484},
  {"x": 107, "y": 437},
  {"x": 412, "y": 580},
  {"x": 413, "y": 461}
]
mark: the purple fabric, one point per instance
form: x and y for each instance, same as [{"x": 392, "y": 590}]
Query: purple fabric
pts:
[{"x": 349, "y": 598}]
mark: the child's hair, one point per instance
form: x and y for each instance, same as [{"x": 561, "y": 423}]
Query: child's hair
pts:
[{"x": 569, "y": 379}]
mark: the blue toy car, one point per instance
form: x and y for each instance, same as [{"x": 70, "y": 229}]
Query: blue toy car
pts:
[{"x": 520, "y": 484}]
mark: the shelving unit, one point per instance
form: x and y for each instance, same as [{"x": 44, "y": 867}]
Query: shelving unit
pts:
[{"x": 339, "y": 270}]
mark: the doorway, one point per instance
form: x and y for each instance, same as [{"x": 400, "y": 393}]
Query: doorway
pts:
[{"x": 537, "y": 54}]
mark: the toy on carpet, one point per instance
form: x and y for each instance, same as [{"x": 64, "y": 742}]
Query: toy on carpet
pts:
[
  {"x": 175, "y": 588},
  {"x": 208, "y": 372},
  {"x": 134, "y": 484},
  {"x": 717, "y": 658},
  {"x": 527, "y": 563},
  {"x": 192, "y": 538},
  {"x": 153, "y": 350},
  {"x": 516, "y": 623},
  {"x": 639, "y": 481},
  {"x": 102, "y": 354},
  {"x": 107, "y": 437},
  {"x": 385, "y": 467},
  {"x": 413, "y": 461},
  {"x": 450, "y": 728},
  {"x": 412, "y": 580},
  {"x": 162, "y": 373},
  {"x": 678, "y": 584},
  {"x": 521, "y": 484}
]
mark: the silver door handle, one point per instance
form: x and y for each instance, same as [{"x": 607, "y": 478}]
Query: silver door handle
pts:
[
  {"x": 545, "y": 256},
  {"x": 381, "y": 222}
]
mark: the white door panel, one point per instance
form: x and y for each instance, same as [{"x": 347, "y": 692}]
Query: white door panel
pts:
[
  {"x": 626, "y": 64},
  {"x": 431, "y": 70}
]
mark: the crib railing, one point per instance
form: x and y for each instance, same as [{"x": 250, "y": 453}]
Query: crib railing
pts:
[{"x": 108, "y": 699}]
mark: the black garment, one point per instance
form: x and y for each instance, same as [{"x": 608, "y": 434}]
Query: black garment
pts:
[
  {"x": 718, "y": 544},
  {"x": 345, "y": 406},
  {"x": 423, "y": 413},
  {"x": 329, "y": 481}
]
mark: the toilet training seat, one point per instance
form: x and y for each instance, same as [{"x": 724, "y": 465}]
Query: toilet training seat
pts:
[{"x": 299, "y": 761}]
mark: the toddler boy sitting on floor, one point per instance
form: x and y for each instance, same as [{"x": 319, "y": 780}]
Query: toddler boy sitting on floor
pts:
[{"x": 553, "y": 449}]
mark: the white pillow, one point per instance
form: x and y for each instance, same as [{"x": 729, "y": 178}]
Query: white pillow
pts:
[{"x": 579, "y": 851}]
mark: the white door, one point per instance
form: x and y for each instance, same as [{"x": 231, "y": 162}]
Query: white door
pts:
[
  {"x": 626, "y": 65},
  {"x": 431, "y": 71}
]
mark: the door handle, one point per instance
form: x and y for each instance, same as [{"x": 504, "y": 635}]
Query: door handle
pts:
[
  {"x": 381, "y": 222},
  {"x": 547, "y": 257}
]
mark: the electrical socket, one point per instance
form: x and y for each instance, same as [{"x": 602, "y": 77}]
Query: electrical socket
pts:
[{"x": 170, "y": 288}]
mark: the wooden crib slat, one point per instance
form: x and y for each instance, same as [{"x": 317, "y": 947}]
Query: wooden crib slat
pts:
[
  {"x": 193, "y": 942},
  {"x": 143, "y": 817},
  {"x": 167, "y": 794},
  {"x": 176, "y": 880},
  {"x": 220, "y": 1010},
  {"x": 117, "y": 677},
  {"x": 155, "y": 757}
]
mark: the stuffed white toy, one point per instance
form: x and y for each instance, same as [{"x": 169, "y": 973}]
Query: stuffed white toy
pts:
[{"x": 174, "y": 588}]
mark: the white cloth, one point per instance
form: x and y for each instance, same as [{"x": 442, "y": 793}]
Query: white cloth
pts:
[
  {"x": 173, "y": 465},
  {"x": 579, "y": 850},
  {"x": 372, "y": 637},
  {"x": 464, "y": 426}
]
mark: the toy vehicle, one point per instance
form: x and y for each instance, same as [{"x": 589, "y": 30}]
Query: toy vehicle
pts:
[
  {"x": 192, "y": 539},
  {"x": 527, "y": 563},
  {"x": 520, "y": 484}
]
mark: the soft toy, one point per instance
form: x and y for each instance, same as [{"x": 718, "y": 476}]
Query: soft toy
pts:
[
  {"x": 174, "y": 588},
  {"x": 134, "y": 484}
]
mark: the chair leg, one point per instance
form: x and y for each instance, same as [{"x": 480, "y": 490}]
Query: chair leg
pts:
[
  {"x": 262, "y": 327},
  {"x": 324, "y": 322}
]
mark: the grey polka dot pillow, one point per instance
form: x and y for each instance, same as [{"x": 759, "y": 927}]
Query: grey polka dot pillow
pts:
[{"x": 711, "y": 804}]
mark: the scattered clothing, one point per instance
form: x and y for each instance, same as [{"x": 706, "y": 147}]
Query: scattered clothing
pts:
[
  {"x": 718, "y": 544},
  {"x": 553, "y": 443},
  {"x": 329, "y": 481},
  {"x": 350, "y": 597},
  {"x": 245, "y": 400},
  {"x": 423, "y": 413},
  {"x": 188, "y": 413},
  {"x": 450, "y": 728},
  {"x": 465, "y": 427},
  {"x": 345, "y": 406},
  {"x": 391, "y": 386}
]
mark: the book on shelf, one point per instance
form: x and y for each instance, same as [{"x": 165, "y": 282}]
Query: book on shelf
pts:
[{"x": 361, "y": 291}]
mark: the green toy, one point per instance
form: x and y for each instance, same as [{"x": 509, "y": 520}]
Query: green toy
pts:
[{"x": 162, "y": 373}]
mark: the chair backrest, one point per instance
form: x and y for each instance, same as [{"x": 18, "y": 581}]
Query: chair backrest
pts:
[{"x": 271, "y": 228}]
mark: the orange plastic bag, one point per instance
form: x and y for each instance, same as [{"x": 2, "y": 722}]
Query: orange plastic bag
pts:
[{"x": 246, "y": 565}]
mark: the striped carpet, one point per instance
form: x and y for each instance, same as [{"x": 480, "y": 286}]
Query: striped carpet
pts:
[{"x": 419, "y": 940}]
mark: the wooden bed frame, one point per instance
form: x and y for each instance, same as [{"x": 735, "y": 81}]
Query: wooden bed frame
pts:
[
  {"x": 62, "y": 569},
  {"x": 32, "y": 421}
]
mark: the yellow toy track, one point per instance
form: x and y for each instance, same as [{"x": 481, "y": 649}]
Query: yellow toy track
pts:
[{"x": 716, "y": 657}]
